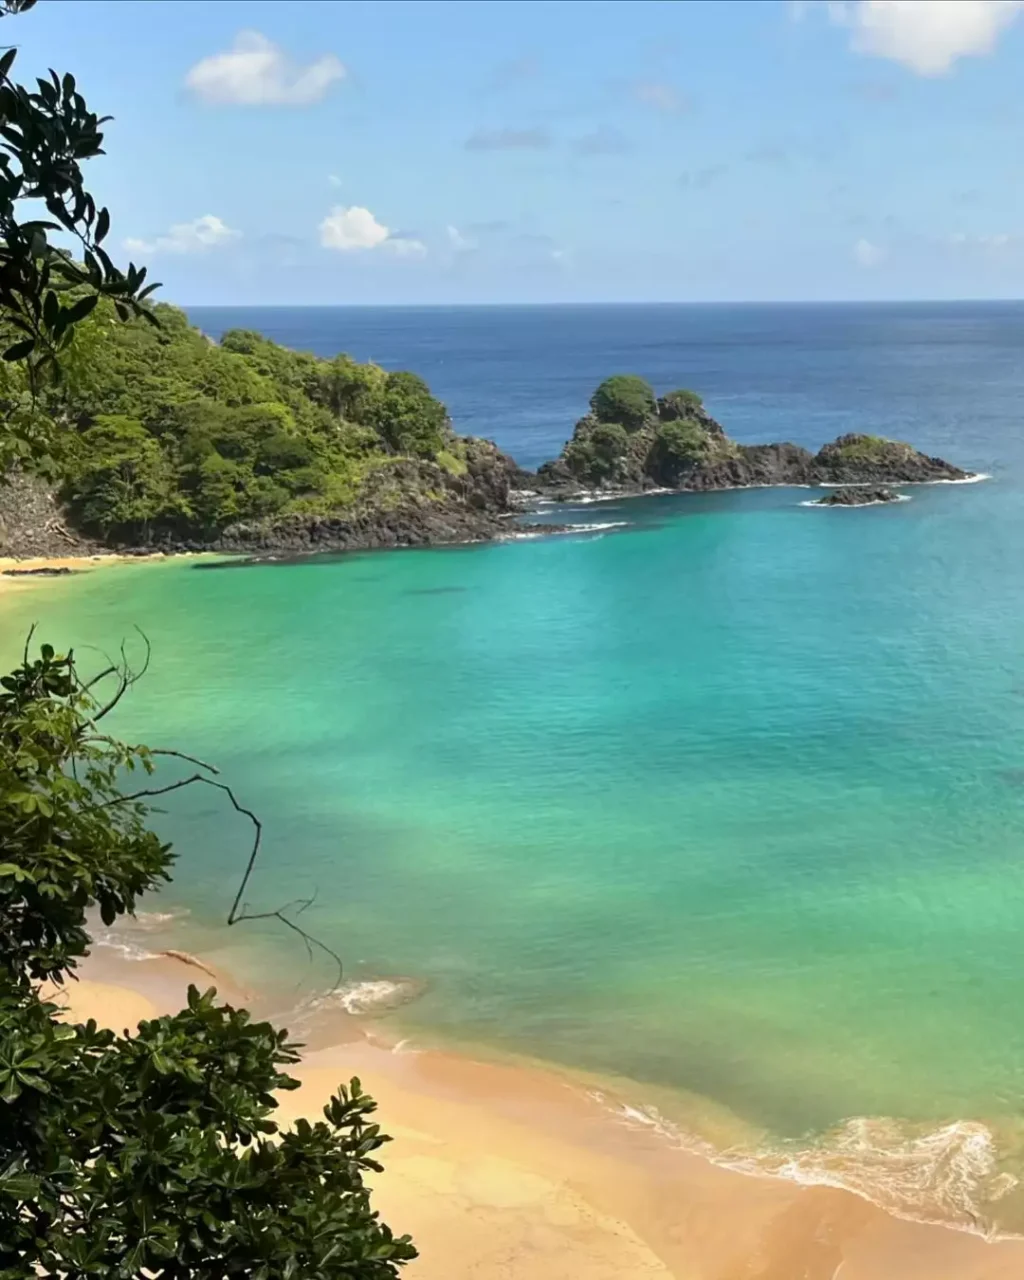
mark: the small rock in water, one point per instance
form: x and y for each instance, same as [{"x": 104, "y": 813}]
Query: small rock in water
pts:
[{"x": 859, "y": 497}]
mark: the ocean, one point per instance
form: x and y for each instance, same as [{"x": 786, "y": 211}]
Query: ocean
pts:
[{"x": 725, "y": 799}]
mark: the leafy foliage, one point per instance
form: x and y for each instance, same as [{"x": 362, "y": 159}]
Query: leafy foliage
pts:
[
  {"x": 174, "y": 436},
  {"x": 683, "y": 440},
  {"x": 595, "y": 451},
  {"x": 154, "y": 1153},
  {"x": 678, "y": 404},
  {"x": 625, "y": 399},
  {"x": 45, "y": 136}
]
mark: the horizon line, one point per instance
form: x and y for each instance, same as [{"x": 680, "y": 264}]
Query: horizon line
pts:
[{"x": 703, "y": 302}]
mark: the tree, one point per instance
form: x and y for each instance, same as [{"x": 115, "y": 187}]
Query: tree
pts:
[
  {"x": 44, "y": 291},
  {"x": 409, "y": 418},
  {"x": 155, "y": 1153},
  {"x": 152, "y": 1154},
  {"x": 122, "y": 480},
  {"x": 625, "y": 399}
]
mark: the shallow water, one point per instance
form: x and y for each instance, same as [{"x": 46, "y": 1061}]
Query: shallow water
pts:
[{"x": 727, "y": 801}]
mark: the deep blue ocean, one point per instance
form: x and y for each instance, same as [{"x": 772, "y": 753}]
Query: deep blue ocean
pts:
[
  {"x": 944, "y": 375},
  {"x": 725, "y": 800}
]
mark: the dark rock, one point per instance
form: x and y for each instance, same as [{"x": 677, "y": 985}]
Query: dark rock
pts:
[
  {"x": 863, "y": 459},
  {"x": 33, "y": 522},
  {"x": 863, "y": 497},
  {"x": 44, "y": 571},
  {"x": 689, "y": 451}
]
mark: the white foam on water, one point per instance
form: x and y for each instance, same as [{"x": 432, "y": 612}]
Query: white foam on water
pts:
[
  {"x": 947, "y": 1175},
  {"x": 598, "y": 527},
  {"x": 128, "y": 949},
  {"x": 157, "y": 919},
  {"x": 365, "y": 997},
  {"x": 528, "y": 535},
  {"x": 973, "y": 478}
]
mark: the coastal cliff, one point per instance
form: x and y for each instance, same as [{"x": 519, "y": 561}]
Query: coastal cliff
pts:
[
  {"x": 631, "y": 442},
  {"x": 169, "y": 441}
]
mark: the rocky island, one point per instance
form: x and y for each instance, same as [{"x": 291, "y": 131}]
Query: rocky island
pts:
[
  {"x": 172, "y": 442},
  {"x": 633, "y": 442}
]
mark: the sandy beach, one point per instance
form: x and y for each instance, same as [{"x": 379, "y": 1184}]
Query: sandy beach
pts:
[
  {"x": 16, "y": 573},
  {"x": 504, "y": 1171}
]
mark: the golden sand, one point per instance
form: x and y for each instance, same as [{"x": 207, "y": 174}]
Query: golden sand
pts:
[
  {"x": 16, "y": 573},
  {"x": 508, "y": 1172}
]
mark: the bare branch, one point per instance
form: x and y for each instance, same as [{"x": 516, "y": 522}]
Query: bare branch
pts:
[{"x": 28, "y": 641}]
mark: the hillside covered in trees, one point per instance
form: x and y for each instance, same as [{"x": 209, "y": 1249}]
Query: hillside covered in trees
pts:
[{"x": 174, "y": 440}]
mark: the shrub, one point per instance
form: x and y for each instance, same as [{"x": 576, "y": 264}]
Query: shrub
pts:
[
  {"x": 154, "y": 1153},
  {"x": 678, "y": 404},
  {"x": 625, "y": 399}
]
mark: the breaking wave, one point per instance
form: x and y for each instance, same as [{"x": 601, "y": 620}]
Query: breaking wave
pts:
[{"x": 948, "y": 1175}]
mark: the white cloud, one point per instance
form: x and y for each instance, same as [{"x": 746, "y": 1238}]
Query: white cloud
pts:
[
  {"x": 354, "y": 228},
  {"x": 867, "y": 253},
  {"x": 459, "y": 242},
  {"x": 333, "y": 180},
  {"x": 196, "y": 236},
  {"x": 926, "y": 35},
  {"x": 405, "y": 247},
  {"x": 662, "y": 97},
  {"x": 255, "y": 72}
]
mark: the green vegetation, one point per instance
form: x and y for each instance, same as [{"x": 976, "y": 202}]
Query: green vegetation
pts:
[
  {"x": 625, "y": 399},
  {"x": 866, "y": 448},
  {"x": 174, "y": 436},
  {"x": 632, "y": 439},
  {"x": 678, "y": 404},
  {"x": 683, "y": 441},
  {"x": 154, "y": 1153},
  {"x": 595, "y": 453}
]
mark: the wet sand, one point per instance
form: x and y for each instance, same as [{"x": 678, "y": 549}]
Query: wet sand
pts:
[{"x": 516, "y": 1172}]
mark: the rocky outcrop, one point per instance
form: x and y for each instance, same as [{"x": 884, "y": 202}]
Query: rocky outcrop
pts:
[
  {"x": 868, "y": 496},
  {"x": 403, "y": 503},
  {"x": 33, "y": 522},
  {"x": 862, "y": 459},
  {"x": 680, "y": 446},
  {"x": 407, "y": 503}
]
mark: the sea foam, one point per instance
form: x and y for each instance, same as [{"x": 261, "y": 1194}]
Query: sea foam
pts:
[{"x": 947, "y": 1175}]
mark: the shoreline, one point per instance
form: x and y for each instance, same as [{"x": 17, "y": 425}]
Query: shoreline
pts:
[
  {"x": 515, "y": 1170},
  {"x": 23, "y": 571}
]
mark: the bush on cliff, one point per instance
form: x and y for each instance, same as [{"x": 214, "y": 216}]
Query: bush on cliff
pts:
[
  {"x": 678, "y": 404},
  {"x": 624, "y": 399}
]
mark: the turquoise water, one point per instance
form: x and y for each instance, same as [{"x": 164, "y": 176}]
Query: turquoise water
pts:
[{"x": 728, "y": 800}]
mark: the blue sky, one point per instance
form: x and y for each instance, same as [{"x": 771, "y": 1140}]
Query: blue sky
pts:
[{"x": 357, "y": 152}]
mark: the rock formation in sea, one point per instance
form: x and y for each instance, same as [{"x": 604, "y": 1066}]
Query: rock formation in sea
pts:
[
  {"x": 629, "y": 443},
  {"x": 864, "y": 496},
  {"x": 470, "y": 491}
]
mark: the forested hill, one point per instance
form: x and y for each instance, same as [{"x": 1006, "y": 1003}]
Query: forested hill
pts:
[{"x": 170, "y": 439}]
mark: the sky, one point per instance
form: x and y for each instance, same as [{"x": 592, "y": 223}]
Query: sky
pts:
[{"x": 490, "y": 152}]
